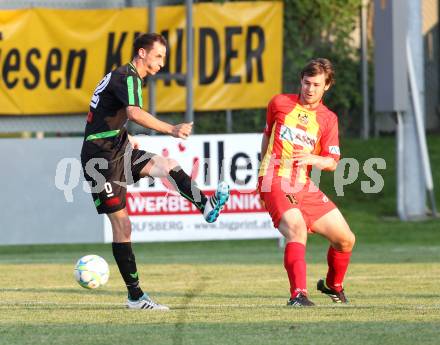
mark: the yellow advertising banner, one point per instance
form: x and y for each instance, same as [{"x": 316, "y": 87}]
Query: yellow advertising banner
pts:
[{"x": 51, "y": 60}]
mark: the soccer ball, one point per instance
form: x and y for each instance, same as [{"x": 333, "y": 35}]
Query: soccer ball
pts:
[{"x": 91, "y": 271}]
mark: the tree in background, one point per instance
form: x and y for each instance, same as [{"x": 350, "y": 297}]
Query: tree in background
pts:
[{"x": 324, "y": 28}]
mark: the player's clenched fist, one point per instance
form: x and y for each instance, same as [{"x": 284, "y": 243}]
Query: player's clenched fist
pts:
[{"x": 182, "y": 130}]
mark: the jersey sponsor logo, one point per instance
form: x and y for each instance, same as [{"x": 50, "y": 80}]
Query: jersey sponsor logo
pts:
[
  {"x": 297, "y": 136},
  {"x": 334, "y": 150},
  {"x": 292, "y": 199},
  {"x": 303, "y": 118}
]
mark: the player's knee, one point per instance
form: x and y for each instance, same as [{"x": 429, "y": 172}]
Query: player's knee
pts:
[
  {"x": 347, "y": 243},
  {"x": 298, "y": 236},
  {"x": 352, "y": 240},
  {"x": 161, "y": 166},
  {"x": 171, "y": 164},
  {"x": 296, "y": 232}
]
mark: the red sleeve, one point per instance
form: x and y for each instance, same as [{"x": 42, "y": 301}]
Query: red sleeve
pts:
[
  {"x": 270, "y": 118},
  {"x": 330, "y": 140}
]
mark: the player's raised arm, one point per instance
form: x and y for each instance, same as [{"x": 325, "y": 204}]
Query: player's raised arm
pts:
[
  {"x": 182, "y": 130},
  {"x": 146, "y": 120}
]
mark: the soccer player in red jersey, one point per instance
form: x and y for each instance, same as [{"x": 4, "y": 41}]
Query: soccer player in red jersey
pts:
[{"x": 302, "y": 132}]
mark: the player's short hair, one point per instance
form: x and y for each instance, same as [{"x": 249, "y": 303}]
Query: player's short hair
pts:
[
  {"x": 146, "y": 41},
  {"x": 318, "y": 66}
]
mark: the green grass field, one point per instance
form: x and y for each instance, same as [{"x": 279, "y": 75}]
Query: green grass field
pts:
[{"x": 234, "y": 292}]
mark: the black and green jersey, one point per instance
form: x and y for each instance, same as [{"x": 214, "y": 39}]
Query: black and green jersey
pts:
[{"x": 105, "y": 132}]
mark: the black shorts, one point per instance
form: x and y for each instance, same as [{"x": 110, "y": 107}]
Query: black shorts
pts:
[{"x": 108, "y": 179}]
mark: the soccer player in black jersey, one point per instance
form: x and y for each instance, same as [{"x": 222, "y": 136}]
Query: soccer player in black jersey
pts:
[{"x": 111, "y": 158}]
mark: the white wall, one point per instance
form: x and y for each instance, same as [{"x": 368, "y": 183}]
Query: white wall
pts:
[{"x": 32, "y": 209}]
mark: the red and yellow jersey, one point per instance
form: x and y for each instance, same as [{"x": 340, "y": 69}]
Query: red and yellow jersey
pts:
[{"x": 291, "y": 128}]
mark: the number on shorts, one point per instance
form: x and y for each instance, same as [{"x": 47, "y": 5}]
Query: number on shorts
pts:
[
  {"x": 292, "y": 199},
  {"x": 108, "y": 189}
]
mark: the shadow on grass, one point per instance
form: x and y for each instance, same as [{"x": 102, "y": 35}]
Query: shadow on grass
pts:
[
  {"x": 188, "y": 296},
  {"x": 297, "y": 331}
]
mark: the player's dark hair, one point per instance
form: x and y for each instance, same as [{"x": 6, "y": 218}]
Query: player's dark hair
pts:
[
  {"x": 318, "y": 66},
  {"x": 146, "y": 41}
]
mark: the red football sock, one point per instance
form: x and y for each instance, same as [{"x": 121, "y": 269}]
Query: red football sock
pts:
[
  {"x": 337, "y": 266},
  {"x": 295, "y": 264}
]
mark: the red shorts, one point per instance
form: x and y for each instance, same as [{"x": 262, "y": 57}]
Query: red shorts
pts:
[{"x": 312, "y": 203}]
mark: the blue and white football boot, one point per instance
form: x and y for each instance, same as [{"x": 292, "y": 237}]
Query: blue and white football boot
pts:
[{"x": 215, "y": 203}]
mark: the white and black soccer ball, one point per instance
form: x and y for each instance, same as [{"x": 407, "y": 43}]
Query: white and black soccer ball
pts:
[{"x": 91, "y": 271}]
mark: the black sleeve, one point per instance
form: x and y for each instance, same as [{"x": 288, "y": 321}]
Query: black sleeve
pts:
[{"x": 128, "y": 90}]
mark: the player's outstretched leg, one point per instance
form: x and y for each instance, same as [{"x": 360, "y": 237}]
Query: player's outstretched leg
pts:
[
  {"x": 187, "y": 187},
  {"x": 215, "y": 203},
  {"x": 210, "y": 207}
]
